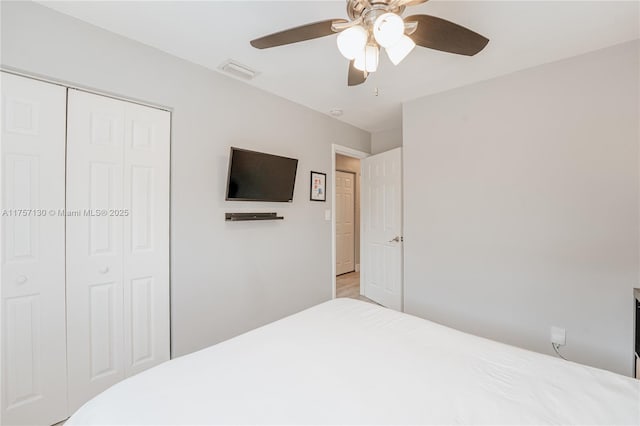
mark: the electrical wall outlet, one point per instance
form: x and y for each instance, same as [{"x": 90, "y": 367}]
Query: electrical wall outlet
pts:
[{"x": 558, "y": 336}]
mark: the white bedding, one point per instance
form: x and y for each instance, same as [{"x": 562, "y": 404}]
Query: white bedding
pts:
[{"x": 350, "y": 362}]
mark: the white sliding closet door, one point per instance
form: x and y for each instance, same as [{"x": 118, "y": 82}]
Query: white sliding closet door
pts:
[
  {"x": 118, "y": 245},
  {"x": 34, "y": 365}
]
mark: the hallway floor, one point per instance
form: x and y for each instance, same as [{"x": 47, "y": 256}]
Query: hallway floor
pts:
[{"x": 348, "y": 285}]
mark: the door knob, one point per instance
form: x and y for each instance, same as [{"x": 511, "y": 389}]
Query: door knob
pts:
[
  {"x": 21, "y": 279},
  {"x": 104, "y": 270},
  {"x": 397, "y": 239}
]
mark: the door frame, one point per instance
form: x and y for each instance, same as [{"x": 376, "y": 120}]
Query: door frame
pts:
[{"x": 349, "y": 152}]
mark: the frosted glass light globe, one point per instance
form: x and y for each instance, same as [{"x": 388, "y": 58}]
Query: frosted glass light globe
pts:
[
  {"x": 371, "y": 57},
  {"x": 352, "y": 41},
  {"x": 388, "y": 29},
  {"x": 400, "y": 50},
  {"x": 367, "y": 59}
]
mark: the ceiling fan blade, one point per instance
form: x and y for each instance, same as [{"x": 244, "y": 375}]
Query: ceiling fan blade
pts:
[
  {"x": 355, "y": 75},
  {"x": 400, "y": 3},
  {"x": 440, "y": 34},
  {"x": 294, "y": 35}
]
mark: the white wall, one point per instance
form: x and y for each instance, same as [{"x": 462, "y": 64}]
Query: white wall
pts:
[
  {"x": 386, "y": 140},
  {"x": 521, "y": 206},
  {"x": 226, "y": 277}
]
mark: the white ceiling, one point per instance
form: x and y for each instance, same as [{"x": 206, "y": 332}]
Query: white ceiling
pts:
[{"x": 313, "y": 73}]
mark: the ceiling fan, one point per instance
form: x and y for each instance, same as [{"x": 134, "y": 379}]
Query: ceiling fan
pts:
[{"x": 377, "y": 24}]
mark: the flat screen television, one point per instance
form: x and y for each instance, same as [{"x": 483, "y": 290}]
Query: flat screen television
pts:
[{"x": 256, "y": 176}]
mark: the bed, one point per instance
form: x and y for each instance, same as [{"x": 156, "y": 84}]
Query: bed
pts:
[{"x": 351, "y": 362}]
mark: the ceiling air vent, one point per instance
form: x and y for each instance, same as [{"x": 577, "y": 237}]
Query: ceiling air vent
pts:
[{"x": 238, "y": 70}]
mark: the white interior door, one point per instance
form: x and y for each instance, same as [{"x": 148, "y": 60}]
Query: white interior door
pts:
[
  {"x": 381, "y": 194},
  {"x": 118, "y": 245},
  {"x": 95, "y": 150},
  {"x": 345, "y": 222},
  {"x": 146, "y": 237},
  {"x": 34, "y": 384}
]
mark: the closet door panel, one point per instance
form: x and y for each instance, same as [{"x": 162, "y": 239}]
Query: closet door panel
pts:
[
  {"x": 118, "y": 243},
  {"x": 34, "y": 387},
  {"x": 95, "y": 149},
  {"x": 146, "y": 266}
]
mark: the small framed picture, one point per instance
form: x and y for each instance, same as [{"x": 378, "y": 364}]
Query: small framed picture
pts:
[{"x": 318, "y": 186}]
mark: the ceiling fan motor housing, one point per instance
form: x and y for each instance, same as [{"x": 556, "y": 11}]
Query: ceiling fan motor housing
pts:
[{"x": 370, "y": 10}]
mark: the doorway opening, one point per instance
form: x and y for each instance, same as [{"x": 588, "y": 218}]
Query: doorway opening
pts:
[
  {"x": 378, "y": 188},
  {"x": 346, "y": 223},
  {"x": 347, "y": 226}
]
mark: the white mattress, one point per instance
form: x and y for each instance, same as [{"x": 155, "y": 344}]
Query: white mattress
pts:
[{"x": 349, "y": 362}]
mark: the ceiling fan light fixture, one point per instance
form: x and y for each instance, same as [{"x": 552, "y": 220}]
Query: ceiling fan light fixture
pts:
[
  {"x": 400, "y": 50},
  {"x": 377, "y": 24},
  {"x": 352, "y": 41},
  {"x": 371, "y": 57},
  {"x": 388, "y": 29}
]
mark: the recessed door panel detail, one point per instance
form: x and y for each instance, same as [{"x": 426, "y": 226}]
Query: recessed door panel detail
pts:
[
  {"x": 103, "y": 129},
  {"x": 391, "y": 262},
  {"x": 21, "y": 196},
  {"x": 142, "y": 135},
  {"x": 142, "y": 208},
  {"x": 390, "y": 199},
  {"x": 102, "y": 329},
  {"x": 377, "y": 265},
  {"x": 22, "y": 116},
  {"x": 22, "y": 325},
  {"x": 141, "y": 320},
  {"x": 102, "y": 189}
]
